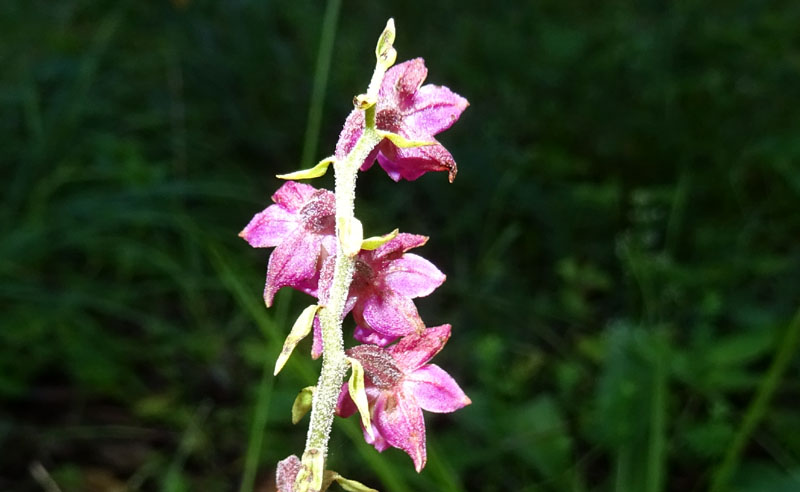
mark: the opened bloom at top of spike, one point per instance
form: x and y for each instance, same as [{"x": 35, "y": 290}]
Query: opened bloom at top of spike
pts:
[{"x": 414, "y": 111}]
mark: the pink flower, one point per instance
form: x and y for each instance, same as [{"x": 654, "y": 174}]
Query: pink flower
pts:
[
  {"x": 301, "y": 228},
  {"x": 414, "y": 111},
  {"x": 384, "y": 283},
  {"x": 399, "y": 385}
]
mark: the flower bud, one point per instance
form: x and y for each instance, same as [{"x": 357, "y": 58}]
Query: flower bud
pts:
[{"x": 384, "y": 51}]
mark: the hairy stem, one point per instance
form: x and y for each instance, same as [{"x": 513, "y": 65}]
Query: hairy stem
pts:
[{"x": 334, "y": 364}]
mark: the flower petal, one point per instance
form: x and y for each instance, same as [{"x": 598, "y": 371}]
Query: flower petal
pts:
[
  {"x": 389, "y": 164},
  {"x": 345, "y": 406},
  {"x": 269, "y": 227},
  {"x": 366, "y": 335},
  {"x": 396, "y": 247},
  {"x": 390, "y": 314},
  {"x": 435, "y": 109},
  {"x": 329, "y": 243},
  {"x": 399, "y": 420},
  {"x": 351, "y": 131},
  {"x": 326, "y": 279},
  {"x": 413, "y": 276},
  {"x": 401, "y": 82},
  {"x": 435, "y": 390},
  {"x": 293, "y": 263},
  {"x": 292, "y": 195},
  {"x": 376, "y": 439},
  {"x": 413, "y": 162},
  {"x": 370, "y": 160},
  {"x": 414, "y": 350},
  {"x": 316, "y": 344}
]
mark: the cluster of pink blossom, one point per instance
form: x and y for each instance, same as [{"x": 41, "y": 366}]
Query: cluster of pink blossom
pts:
[{"x": 398, "y": 380}]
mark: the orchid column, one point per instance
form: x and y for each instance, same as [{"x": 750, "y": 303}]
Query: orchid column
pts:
[{"x": 320, "y": 250}]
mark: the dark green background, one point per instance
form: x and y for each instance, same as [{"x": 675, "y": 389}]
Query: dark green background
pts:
[{"x": 622, "y": 242}]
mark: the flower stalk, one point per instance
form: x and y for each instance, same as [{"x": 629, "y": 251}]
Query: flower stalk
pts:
[
  {"x": 334, "y": 361},
  {"x": 320, "y": 250}
]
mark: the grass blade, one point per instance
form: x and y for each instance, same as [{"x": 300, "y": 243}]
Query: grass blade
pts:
[
  {"x": 326, "y": 40},
  {"x": 758, "y": 405},
  {"x": 656, "y": 455}
]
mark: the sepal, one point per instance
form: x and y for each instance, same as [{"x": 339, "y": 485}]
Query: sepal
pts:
[
  {"x": 302, "y": 404},
  {"x": 375, "y": 242},
  {"x": 358, "y": 393},
  {"x": 300, "y": 329},
  {"x": 315, "y": 172}
]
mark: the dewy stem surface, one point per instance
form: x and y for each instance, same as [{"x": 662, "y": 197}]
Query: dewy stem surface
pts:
[{"x": 334, "y": 363}]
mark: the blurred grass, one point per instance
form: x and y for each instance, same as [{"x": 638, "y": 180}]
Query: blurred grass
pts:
[
  {"x": 759, "y": 405},
  {"x": 327, "y": 36},
  {"x": 620, "y": 244}
]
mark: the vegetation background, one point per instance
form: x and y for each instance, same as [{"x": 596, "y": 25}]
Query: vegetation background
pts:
[{"x": 622, "y": 242}]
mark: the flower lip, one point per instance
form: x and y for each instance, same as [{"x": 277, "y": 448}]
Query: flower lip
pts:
[
  {"x": 363, "y": 274},
  {"x": 318, "y": 214},
  {"x": 388, "y": 119},
  {"x": 379, "y": 366}
]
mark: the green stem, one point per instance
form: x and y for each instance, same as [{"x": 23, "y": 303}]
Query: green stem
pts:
[
  {"x": 758, "y": 405},
  {"x": 334, "y": 363}
]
